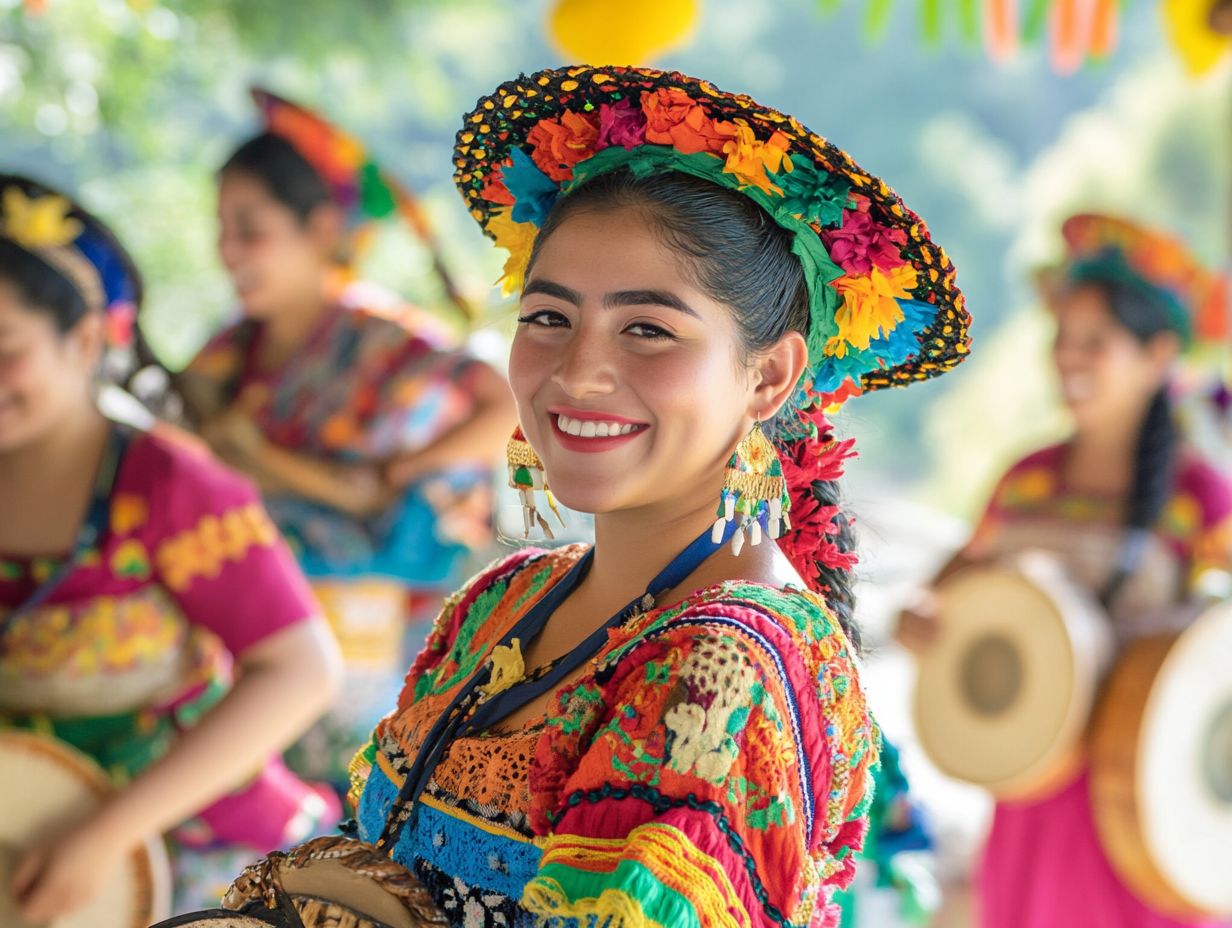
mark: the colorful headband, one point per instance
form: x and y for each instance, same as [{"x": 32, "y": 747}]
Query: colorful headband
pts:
[
  {"x": 1111, "y": 248},
  {"x": 75, "y": 245},
  {"x": 884, "y": 307},
  {"x": 356, "y": 182}
]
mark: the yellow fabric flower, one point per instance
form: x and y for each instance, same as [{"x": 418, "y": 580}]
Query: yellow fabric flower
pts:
[
  {"x": 748, "y": 158},
  {"x": 870, "y": 307},
  {"x": 517, "y": 238},
  {"x": 39, "y": 222}
]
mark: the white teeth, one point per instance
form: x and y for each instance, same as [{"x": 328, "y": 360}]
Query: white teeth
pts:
[{"x": 592, "y": 428}]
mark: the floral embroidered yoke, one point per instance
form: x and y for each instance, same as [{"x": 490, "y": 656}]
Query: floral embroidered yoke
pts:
[
  {"x": 711, "y": 766},
  {"x": 369, "y": 384}
]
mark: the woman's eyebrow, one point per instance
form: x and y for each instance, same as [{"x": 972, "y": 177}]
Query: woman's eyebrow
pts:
[
  {"x": 648, "y": 298},
  {"x": 551, "y": 288}
]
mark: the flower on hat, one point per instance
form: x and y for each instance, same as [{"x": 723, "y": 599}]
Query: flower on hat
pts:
[
  {"x": 870, "y": 306},
  {"x": 674, "y": 118},
  {"x": 811, "y": 196},
  {"x": 533, "y": 192},
  {"x": 558, "y": 144},
  {"x": 861, "y": 244},
  {"x": 517, "y": 238},
  {"x": 622, "y": 124},
  {"x": 39, "y": 222},
  {"x": 749, "y": 158}
]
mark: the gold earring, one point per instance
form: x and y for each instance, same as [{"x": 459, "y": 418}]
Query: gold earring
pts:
[
  {"x": 755, "y": 490},
  {"x": 526, "y": 476}
]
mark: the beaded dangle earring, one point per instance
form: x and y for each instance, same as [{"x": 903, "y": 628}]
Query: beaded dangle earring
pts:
[
  {"x": 755, "y": 490},
  {"x": 526, "y": 476}
]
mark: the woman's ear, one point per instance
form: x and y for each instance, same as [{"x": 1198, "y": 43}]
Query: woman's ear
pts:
[
  {"x": 777, "y": 372},
  {"x": 1162, "y": 351},
  {"x": 87, "y": 337},
  {"x": 326, "y": 227}
]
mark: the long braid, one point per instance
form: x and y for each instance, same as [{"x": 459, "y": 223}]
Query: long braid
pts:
[{"x": 1154, "y": 466}]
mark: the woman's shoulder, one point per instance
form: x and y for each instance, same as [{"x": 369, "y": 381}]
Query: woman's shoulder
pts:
[
  {"x": 1203, "y": 494},
  {"x": 175, "y": 469}
]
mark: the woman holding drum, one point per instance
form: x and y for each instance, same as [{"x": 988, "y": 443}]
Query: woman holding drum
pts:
[
  {"x": 1142, "y": 523},
  {"x": 372, "y": 433},
  {"x": 150, "y": 617}
]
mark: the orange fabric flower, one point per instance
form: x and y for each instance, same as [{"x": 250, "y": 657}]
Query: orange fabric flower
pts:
[
  {"x": 748, "y": 158},
  {"x": 676, "y": 119},
  {"x": 559, "y": 144}
]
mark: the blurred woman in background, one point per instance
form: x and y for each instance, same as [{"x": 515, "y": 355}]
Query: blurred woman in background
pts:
[
  {"x": 1141, "y": 519},
  {"x": 370, "y": 430},
  {"x": 149, "y": 614}
]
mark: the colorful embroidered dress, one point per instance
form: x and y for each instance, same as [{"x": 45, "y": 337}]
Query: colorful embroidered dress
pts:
[
  {"x": 139, "y": 639},
  {"x": 365, "y": 387},
  {"x": 1043, "y": 866},
  {"x": 711, "y": 767}
]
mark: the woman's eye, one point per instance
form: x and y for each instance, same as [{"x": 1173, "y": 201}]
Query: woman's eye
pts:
[
  {"x": 649, "y": 330},
  {"x": 544, "y": 317}
]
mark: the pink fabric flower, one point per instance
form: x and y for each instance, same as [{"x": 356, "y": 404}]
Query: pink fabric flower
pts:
[
  {"x": 862, "y": 244},
  {"x": 620, "y": 124}
]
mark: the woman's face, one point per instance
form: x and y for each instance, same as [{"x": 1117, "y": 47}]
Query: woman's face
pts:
[
  {"x": 43, "y": 373},
  {"x": 276, "y": 262},
  {"x": 627, "y": 376},
  {"x": 1107, "y": 375}
]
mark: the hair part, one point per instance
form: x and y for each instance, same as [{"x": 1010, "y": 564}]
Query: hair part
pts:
[{"x": 743, "y": 259}]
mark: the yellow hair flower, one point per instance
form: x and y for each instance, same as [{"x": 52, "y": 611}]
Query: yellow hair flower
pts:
[
  {"x": 517, "y": 238},
  {"x": 870, "y": 307},
  {"x": 41, "y": 222}
]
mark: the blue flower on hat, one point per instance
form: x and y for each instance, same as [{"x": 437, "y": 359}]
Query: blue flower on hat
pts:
[{"x": 534, "y": 193}]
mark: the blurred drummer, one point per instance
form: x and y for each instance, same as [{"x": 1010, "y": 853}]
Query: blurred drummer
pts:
[
  {"x": 149, "y": 615},
  {"x": 1140, "y": 518},
  {"x": 371, "y": 430}
]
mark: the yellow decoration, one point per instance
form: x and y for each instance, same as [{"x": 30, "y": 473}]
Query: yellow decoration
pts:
[
  {"x": 39, "y": 222},
  {"x": 507, "y": 668},
  {"x": 517, "y": 238},
  {"x": 1200, "y": 47},
  {"x": 870, "y": 307},
  {"x": 621, "y": 31},
  {"x": 131, "y": 561},
  {"x": 204, "y": 550},
  {"x": 128, "y": 513}
]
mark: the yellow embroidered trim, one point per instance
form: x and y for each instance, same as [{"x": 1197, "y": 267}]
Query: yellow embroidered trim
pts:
[
  {"x": 202, "y": 551},
  {"x": 613, "y": 909},
  {"x": 521, "y": 454},
  {"x": 671, "y": 857}
]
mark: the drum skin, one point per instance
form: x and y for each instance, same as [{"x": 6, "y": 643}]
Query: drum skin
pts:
[
  {"x": 47, "y": 786},
  {"x": 1161, "y": 768},
  {"x": 1003, "y": 697}
]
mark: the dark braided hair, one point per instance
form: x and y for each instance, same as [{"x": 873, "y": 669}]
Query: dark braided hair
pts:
[
  {"x": 742, "y": 258},
  {"x": 1144, "y": 315}
]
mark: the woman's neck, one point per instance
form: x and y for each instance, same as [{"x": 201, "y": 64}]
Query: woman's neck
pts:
[
  {"x": 1102, "y": 457},
  {"x": 73, "y": 439},
  {"x": 633, "y": 546},
  {"x": 285, "y": 333}
]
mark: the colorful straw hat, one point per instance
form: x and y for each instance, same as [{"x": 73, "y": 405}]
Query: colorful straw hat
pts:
[
  {"x": 885, "y": 310},
  {"x": 1108, "y": 247}
]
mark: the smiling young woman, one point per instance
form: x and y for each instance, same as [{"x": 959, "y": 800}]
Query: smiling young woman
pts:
[
  {"x": 1141, "y": 519},
  {"x": 663, "y": 727}
]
